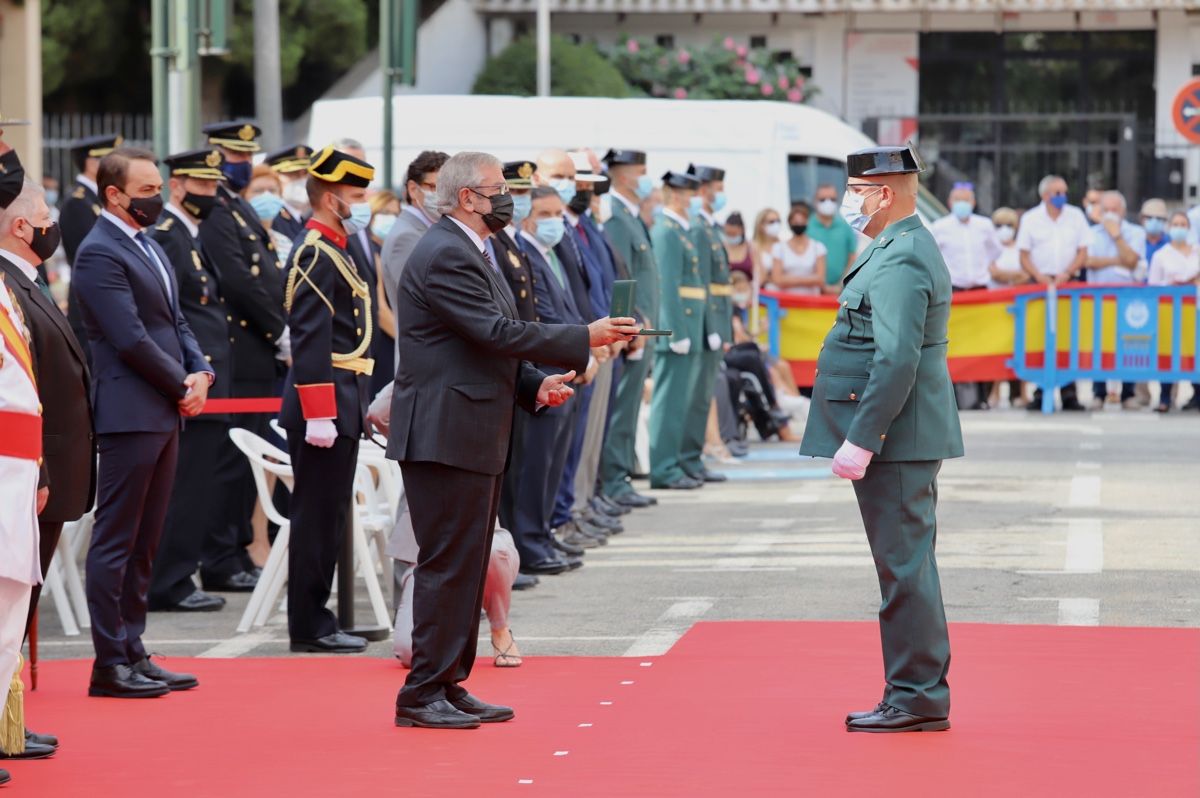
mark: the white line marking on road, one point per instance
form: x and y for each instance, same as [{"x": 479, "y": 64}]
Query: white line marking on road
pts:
[
  {"x": 1087, "y": 465},
  {"x": 1078, "y": 612},
  {"x": 1085, "y": 491},
  {"x": 237, "y": 646},
  {"x": 668, "y": 628},
  {"x": 1089, "y": 446},
  {"x": 1085, "y": 546}
]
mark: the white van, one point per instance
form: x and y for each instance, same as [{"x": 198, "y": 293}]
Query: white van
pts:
[{"x": 773, "y": 153}]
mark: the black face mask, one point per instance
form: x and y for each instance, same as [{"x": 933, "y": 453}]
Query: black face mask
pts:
[
  {"x": 45, "y": 240},
  {"x": 797, "y": 229},
  {"x": 501, "y": 214},
  {"x": 198, "y": 205},
  {"x": 12, "y": 178},
  {"x": 580, "y": 202},
  {"x": 145, "y": 210}
]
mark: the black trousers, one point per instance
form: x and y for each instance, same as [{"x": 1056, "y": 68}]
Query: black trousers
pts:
[
  {"x": 224, "y": 552},
  {"x": 191, "y": 522},
  {"x": 512, "y": 474},
  {"x": 133, "y": 489},
  {"x": 746, "y": 357},
  {"x": 320, "y": 516},
  {"x": 454, "y": 516},
  {"x": 48, "y": 534},
  {"x": 545, "y": 448}
]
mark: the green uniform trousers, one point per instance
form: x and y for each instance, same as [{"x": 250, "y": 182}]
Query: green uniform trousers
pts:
[
  {"x": 898, "y": 503},
  {"x": 618, "y": 458},
  {"x": 674, "y": 382},
  {"x": 696, "y": 422}
]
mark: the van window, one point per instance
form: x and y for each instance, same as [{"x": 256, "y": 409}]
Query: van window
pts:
[{"x": 806, "y": 172}]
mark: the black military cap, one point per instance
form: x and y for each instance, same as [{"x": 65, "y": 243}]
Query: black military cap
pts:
[
  {"x": 519, "y": 174},
  {"x": 290, "y": 159},
  {"x": 625, "y": 157},
  {"x": 681, "y": 180},
  {"x": 240, "y": 136},
  {"x": 203, "y": 164},
  {"x": 706, "y": 174},
  {"x": 602, "y": 185},
  {"x": 875, "y": 161},
  {"x": 334, "y": 166},
  {"x": 94, "y": 147}
]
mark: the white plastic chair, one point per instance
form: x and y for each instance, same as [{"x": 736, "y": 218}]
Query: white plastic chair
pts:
[{"x": 64, "y": 584}]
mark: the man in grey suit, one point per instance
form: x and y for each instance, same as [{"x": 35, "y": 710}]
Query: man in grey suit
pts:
[
  {"x": 418, "y": 215},
  {"x": 462, "y": 371}
]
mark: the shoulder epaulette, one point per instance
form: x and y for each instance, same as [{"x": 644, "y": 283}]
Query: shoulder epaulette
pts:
[
  {"x": 238, "y": 216},
  {"x": 166, "y": 225},
  {"x": 79, "y": 193}
]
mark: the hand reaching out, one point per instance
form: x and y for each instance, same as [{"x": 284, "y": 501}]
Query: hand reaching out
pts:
[{"x": 555, "y": 390}]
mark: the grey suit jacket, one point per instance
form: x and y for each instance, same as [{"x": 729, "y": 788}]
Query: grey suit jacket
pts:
[
  {"x": 463, "y": 351},
  {"x": 397, "y": 247}
]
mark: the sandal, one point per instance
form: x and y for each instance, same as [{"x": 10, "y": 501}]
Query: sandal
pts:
[{"x": 505, "y": 658}]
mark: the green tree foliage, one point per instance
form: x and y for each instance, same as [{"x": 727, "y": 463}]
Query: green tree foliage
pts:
[
  {"x": 722, "y": 70},
  {"x": 576, "y": 70}
]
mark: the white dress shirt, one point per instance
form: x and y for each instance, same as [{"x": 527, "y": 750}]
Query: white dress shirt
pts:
[
  {"x": 133, "y": 232},
  {"x": 969, "y": 247},
  {"x": 475, "y": 239},
  {"x": 684, "y": 223},
  {"x": 179, "y": 214},
  {"x": 27, "y": 268},
  {"x": 1053, "y": 244},
  {"x": 1169, "y": 266},
  {"x": 88, "y": 182},
  {"x": 629, "y": 204}
]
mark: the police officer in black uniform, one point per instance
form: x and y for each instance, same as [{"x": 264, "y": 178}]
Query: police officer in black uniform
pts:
[
  {"x": 79, "y": 212},
  {"x": 240, "y": 249},
  {"x": 291, "y": 164},
  {"x": 194, "y": 177},
  {"x": 326, "y": 393}
]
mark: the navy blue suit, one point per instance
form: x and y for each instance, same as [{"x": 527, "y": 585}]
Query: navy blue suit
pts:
[
  {"x": 546, "y": 437},
  {"x": 142, "y": 350}
]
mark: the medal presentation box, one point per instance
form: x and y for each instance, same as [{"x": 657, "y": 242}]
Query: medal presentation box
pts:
[{"x": 622, "y": 304}]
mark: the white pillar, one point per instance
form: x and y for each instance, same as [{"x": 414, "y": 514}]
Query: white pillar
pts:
[{"x": 543, "y": 48}]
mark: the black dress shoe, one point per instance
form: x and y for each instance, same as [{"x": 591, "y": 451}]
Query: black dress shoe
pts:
[
  {"x": 633, "y": 500},
  {"x": 708, "y": 476},
  {"x": 1072, "y": 407},
  {"x": 605, "y": 505},
  {"x": 122, "y": 681},
  {"x": 890, "y": 720},
  {"x": 242, "y": 582},
  {"x": 4, "y": 777},
  {"x": 438, "y": 715},
  {"x": 868, "y": 713},
  {"x": 546, "y": 567},
  {"x": 569, "y": 543},
  {"x": 574, "y": 563},
  {"x": 606, "y": 522},
  {"x": 679, "y": 483},
  {"x": 32, "y": 751},
  {"x": 198, "y": 601},
  {"x": 175, "y": 681},
  {"x": 583, "y": 526},
  {"x": 525, "y": 582},
  {"x": 335, "y": 643},
  {"x": 41, "y": 739},
  {"x": 487, "y": 713}
]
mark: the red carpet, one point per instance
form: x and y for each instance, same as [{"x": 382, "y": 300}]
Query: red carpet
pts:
[{"x": 741, "y": 709}]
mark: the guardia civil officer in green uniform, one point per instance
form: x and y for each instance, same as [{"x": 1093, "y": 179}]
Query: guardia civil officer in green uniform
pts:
[
  {"x": 883, "y": 408},
  {"x": 683, "y": 298},
  {"x": 718, "y": 315},
  {"x": 631, "y": 241}
]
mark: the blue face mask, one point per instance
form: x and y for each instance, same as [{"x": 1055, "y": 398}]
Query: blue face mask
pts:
[
  {"x": 237, "y": 174},
  {"x": 1156, "y": 226},
  {"x": 267, "y": 205},
  {"x": 381, "y": 225},
  {"x": 719, "y": 201},
  {"x": 359, "y": 218},
  {"x": 565, "y": 187},
  {"x": 695, "y": 205},
  {"x": 1178, "y": 234},
  {"x": 657, "y": 213},
  {"x": 1059, "y": 201},
  {"x": 961, "y": 209},
  {"x": 549, "y": 231},
  {"x": 645, "y": 186},
  {"x": 522, "y": 205}
]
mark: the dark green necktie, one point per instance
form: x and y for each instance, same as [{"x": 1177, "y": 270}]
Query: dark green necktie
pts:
[{"x": 45, "y": 289}]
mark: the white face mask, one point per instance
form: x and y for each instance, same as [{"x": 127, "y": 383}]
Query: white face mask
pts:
[
  {"x": 772, "y": 229},
  {"x": 430, "y": 206},
  {"x": 827, "y": 207},
  {"x": 296, "y": 195},
  {"x": 852, "y": 204},
  {"x": 1005, "y": 233}
]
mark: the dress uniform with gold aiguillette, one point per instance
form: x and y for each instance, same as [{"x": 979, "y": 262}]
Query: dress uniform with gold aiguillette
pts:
[
  {"x": 683, "y": 296},
  {"x": 332, "y": 322},
  {"x": 631, "y": 243},
  {"x": 718, "y": 329},
  {"x": 882, "y": 385},
  {"x": 191, "y": 525}
]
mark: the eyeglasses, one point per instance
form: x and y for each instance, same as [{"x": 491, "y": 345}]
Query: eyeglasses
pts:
[
  {"x": 428, "y": 186},
  {"x": 502, "y": 188},
  {"x": 856, "y": 186}
]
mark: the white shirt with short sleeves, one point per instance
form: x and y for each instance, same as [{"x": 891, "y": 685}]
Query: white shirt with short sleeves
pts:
[
  {"x": 1169, "y": 266},
  {"x": 1009, "y": 262},
  {"x": 803, "y": 264},
  {"x": 969, "y": 247},
  {"x": 1052, "y": 244},
  {"x": 1102, "y": 245}
]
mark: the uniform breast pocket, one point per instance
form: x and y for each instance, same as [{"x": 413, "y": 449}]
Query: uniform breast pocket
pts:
[{"x": 855, "y": 315}]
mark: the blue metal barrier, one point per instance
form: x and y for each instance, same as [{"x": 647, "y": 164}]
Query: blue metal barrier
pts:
[{"x": 1132, "y": 336}]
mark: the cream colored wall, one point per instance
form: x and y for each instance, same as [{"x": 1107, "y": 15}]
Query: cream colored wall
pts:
[{"x": 21, "y": 79}]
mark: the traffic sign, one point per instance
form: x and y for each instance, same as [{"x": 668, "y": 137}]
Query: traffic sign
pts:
[{"x": 1187, "y": 112}]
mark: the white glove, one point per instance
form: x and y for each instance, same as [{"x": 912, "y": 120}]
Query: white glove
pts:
[
  {"x": 380, "y": 411},
  {"x": 321, "y": 432},
  {"x": 714, "y": 341},
  {"x": 851, "y": 461},
  {"x": 681, "y": 347},
  {"x": 283, "y": 345},
  {"x": 638, "y": 355}
]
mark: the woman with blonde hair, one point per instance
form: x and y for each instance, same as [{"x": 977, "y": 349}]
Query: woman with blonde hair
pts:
[
  {"x": 767, "y": 228},
  {"x": 385, "y": 207},
  {"x": 1006, "y": 272}
]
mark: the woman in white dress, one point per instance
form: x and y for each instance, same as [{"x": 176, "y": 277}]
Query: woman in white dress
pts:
[
  {"x": 1178, "y": 263},
  {"x": 798, "y": 264}
]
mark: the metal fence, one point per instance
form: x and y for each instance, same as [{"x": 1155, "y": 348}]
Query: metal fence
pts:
[{"x": 60, "y": 130}]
